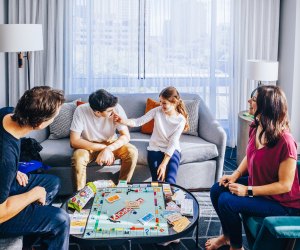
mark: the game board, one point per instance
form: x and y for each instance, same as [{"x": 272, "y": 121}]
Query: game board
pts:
[{"x": 114, "y": 219}]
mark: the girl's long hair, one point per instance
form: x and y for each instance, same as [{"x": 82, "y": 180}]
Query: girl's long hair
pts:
[
  {"x": 171, "y": 94},
  {"x": 271, "y": 113}
]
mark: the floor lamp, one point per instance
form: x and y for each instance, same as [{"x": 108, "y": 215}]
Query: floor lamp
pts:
[{"x": 21, "y": 38}]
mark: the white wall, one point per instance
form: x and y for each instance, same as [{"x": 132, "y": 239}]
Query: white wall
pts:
[
  {"x": 289, "y": 60},
  {"x": 3, "y": 77}
]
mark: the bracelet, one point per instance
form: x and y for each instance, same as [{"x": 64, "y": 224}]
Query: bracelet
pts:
[{"x": 239, "y": 171}]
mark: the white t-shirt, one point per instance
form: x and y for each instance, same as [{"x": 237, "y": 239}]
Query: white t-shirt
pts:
[
  {"x": 93, "y": 128},
  {"x": 166, "y": 132}
]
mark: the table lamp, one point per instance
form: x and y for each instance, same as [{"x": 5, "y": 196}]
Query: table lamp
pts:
[
  {"x": 262, "y": 71},
  {"x": 21, "y": 38}
]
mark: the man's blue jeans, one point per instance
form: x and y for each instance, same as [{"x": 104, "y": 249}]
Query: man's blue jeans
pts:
[
  {"x": 155, "y": 158},
  {"x": 228, "y": 207},
  {"x": 51, "y": 224}
]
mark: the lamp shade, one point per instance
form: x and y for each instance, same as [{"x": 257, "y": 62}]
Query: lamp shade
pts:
[
  {"x": 21, "y": 37},
  {"x": 262, "y": 70}
]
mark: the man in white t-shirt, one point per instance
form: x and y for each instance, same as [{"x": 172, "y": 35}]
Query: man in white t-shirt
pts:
[{"x": 93, "y": 136}]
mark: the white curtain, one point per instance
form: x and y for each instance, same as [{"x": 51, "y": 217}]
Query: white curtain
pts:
[
  {"x": 46, "y": 67},
  {"x": 255, "y": 36}
]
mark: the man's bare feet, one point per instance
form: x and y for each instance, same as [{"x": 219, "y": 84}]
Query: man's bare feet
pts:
[{"x": 216, "y": 243}]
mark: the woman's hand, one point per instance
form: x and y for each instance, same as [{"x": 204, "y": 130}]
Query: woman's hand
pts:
[
  {"x": 117, "y": 118},
  {"x": 22, "y": 178},
  {"x": 227, "y": 179},
  {"x": 238, "y": 189},
  {"x": 161, "y": 172}
]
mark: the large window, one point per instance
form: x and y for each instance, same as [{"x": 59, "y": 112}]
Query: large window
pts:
[{"x": 144, "y": 45}]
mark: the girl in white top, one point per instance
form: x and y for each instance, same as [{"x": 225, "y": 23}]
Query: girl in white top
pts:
[{"x": 170, "y": 120}]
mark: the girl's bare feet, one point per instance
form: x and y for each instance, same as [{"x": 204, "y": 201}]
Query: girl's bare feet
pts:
[{"x": 216, "y": 243}]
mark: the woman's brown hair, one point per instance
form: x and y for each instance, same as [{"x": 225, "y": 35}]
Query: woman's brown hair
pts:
[
  {"x": 271, "y": 114},
  {"x": 37, "y": 105},
  {"x": 171, "y": 94}
]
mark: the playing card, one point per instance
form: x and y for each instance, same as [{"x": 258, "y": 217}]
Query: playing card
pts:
[
  {"x": 145, "y": 219},
  {"x": 173, "y": 217},
  {"x": 113, "y": 198},
  {"x": 181, "y": 224},
  {"x": 132, "y": 204}
]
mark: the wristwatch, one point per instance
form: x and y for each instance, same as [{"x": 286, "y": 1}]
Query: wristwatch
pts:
[{"x": 250, "y": 192}]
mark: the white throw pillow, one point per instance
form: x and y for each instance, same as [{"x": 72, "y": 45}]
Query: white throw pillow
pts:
[{"x": 192, "y": 107}]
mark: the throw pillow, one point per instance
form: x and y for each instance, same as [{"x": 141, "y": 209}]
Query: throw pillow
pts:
[
  {"x": 60, "y": 127},
  {"x": 78, "y": 103},
  {"x": 148, "y": 127},
  {"x": 192, "y": 107}
]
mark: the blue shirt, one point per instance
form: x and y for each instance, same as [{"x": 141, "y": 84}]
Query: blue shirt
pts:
[{"x": 9, "y": 157}]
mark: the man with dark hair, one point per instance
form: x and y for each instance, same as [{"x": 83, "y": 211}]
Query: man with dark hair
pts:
[
  {"x": 24, "y": 199},
  {"x": 93, "y": 136}
]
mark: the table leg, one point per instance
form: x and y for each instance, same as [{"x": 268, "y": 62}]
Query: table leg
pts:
[
  {"x": 197, "y": 233},
  {"x": 129, "y": 244}
]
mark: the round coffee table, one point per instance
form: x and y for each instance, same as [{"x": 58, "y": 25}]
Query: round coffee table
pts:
[{"x": 172, "y": 235}]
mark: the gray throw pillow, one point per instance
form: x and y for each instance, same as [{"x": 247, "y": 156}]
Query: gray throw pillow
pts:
[
  {"x": 192, "y": 107},
  {"x": 60, "y": 127}
]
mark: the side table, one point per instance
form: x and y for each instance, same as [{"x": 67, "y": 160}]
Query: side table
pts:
[{"x": 242, "y": 135}]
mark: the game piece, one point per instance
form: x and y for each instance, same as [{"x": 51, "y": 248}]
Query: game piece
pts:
[
  {"x": 187, "y": 207},
  {"x": 78, "y": 201},
  {"x": 181, "y": 224},
  {"x": 145, "y": 219},
  {"x": 113, "y": 198}
]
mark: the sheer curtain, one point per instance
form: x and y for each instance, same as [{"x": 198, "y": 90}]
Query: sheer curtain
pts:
[
  {"x": 255, "y": 36},
  {"x": 47, "y": 66}
]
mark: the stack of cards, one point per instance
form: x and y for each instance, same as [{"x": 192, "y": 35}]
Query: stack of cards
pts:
[
  {"x": 173, "y": 217},
  {"x": 178, "y": 196},
  {"x": 122, "y": 183},
  {"x": 132, "y": 204},
  {"x": 187, "y": 207},
  {"x": 171, "y": 206},
  {"x": 147, "y": 218},
  {"x": 104, "y": 184},
  {"x": 167, "y": 190},
  {"x": 113, "y": 198},
  {"x": 181, "y": 224}
]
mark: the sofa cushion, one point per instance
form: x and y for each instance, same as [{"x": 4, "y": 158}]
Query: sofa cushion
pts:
[
  {"x": 57, "y": 153},
  {"x": 60, "y": 128},
  {"x": 193, "y": 149},
  {"x": 11, "y": 243}
]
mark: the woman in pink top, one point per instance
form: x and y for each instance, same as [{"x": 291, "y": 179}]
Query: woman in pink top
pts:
[{"x": 272, "y": 187}]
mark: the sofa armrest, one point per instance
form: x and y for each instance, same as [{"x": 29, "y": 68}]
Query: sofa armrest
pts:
[
  {"x": 39, "y": 135},
  {"x": 210, "y": 130},
  {"x": 283, "y": 226}
]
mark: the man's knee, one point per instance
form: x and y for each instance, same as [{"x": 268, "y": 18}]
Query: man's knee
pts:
[
  {"x": 80, "y": 156},
  {"x": 61, "y": 220},
  {"x": 132, "y": 151}
]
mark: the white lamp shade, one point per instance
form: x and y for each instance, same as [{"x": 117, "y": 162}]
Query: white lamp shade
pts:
[
  {"x": 262, "y": 70},
  {"x": 21, "y": 37}
]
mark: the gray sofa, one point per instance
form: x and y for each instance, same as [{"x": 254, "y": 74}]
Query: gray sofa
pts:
[{"x": 202, "y": 156}]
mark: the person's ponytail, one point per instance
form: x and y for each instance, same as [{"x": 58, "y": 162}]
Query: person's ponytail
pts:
[{"x": 182, "y": 110}]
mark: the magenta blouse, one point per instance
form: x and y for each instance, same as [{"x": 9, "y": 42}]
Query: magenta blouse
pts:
[{"x": 263, "y": 166}]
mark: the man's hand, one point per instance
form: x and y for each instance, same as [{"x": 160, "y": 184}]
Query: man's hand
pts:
[
  {"x": 238, "y": 189},
  {"x": 161, "y": 172},
  {"x": 227, "y": 179},
  {"x": 40, "y": 195},
  {"x": 106, "y": 156},
  {"x": 22, "y": 178}
]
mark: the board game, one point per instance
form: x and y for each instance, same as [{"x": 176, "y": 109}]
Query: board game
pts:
[{"x": 133, "y": 211}]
